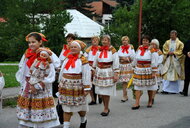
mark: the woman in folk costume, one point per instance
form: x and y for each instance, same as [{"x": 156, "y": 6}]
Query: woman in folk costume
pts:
[
  {"x": 75, "y": 84},
  {"x": 126, "y": 55},
  {"x": 69, "y": 38},
  {"x": 35, "y": 105},
  {"x": 90, "y": 53},
  {"x": 155, "y": 45},
  {"x": 144, "y": 72},
  {"x": 106, "y": 72}
]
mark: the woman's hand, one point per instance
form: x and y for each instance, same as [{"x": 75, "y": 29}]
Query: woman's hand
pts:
[
  {"x": 33, "y": 89},
  {"x": 44, "y": 49}
]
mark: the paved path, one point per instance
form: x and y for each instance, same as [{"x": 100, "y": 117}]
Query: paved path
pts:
[{"x": 169, "y": 111}]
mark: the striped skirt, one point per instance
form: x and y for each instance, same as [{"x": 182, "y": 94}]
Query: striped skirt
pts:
[
  {"x": 126, "y": 72},
  {"x": 143, "y": 75}
]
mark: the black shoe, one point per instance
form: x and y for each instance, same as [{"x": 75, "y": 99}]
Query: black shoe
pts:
[
  {"x": 183, "y": 93},
  {"x": 124, "y": 100},
  {"x": 83, "y": 125},
  {"x": 164, "y": 92},
  {"x": 100, "y": 100},
  {"x": 135, "y": 108},
  {"x": 105, "y": 113},
  {"x": 92, "y": 103}
]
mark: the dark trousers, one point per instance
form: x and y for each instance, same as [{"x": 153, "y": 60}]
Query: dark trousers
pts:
[{"x": 186, "y": 84}]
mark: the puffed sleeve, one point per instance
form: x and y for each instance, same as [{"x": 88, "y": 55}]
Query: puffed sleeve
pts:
[
  {"x": 20, "y": 73},
  {"x": 61, "y": 57},
  {"x": 132, "y": 56},
  {"x": 154, "y": 61},
  {"x": 95, "y": 62},
  {"x": 55, "y": 60},
  {"x": 115, "y": 58},
  {"x": 85, "y": 55},
  {"x": 51, "y": 76},
  {"x": 86, "y": 76},
  {"x": 160, "y": 59}
]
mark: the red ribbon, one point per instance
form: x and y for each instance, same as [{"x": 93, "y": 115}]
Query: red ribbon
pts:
[
  {"x": 71, "y": 61},
  {"x": 94, "y": 50},
  {"x": 104, "y": 51},
  {"x": 31, "y": 57},
  {"x": 143, "y": 49},
  {"x": 41, "y": 60},
  {"x": 67, "y": 50},
  {"x": 125, "y": 48}
]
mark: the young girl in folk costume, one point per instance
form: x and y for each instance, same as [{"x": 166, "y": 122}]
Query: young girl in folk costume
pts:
[
  {"x": 126, "y": 55},
  {"x": 91, "y": 54},
  {"x": 144, "y": 72},
  {"x": 155, "y": 45},
  {"x": 75, "y": 84},
  {"x": 35, "y": 105},
  {"x": 69, "y": 38},
  {"x": 106, "y": 66}
]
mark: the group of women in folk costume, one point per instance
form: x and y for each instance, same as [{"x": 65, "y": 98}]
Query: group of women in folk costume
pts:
[{"x": 36, "y": 106}]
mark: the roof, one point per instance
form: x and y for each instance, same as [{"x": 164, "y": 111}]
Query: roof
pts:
[
  {"x": 81, "y": 25},
  {"x": 97, "y": 6},
  {"x": 110, "y": 2}
]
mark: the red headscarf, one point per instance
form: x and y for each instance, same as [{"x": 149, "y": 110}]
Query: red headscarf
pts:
[
  {"x": 67, "y": 50},
  {"x": 125, "y": 48},
  {"x": 143, "y": 49},
  {"x": 31, "y": 57},
  {"x": 71, "y": 61},
  {"x": 104, "y": 51},
  {"x": 94, "y": 50}
]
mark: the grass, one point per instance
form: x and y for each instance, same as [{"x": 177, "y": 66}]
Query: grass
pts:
[
  {"x": 9, "y": 72},
  {"x": 11, "y": 102}
]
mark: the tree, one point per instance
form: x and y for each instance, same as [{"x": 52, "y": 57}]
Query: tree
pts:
[
  {"x": 25, "y": 16},
  {"x": 159, "y": 18},
  {"x": 124, "y": 23}
]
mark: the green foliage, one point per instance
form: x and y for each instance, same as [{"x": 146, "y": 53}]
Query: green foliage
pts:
[
  {"x": 162, "y": 16},
  {"x": 9, "y": 72},
  {"x": 159, "y": 17},
  {"x": 124, "y": 23},
  {"x": 25, "y": 16},
  {"x": 54, "y": 29}
]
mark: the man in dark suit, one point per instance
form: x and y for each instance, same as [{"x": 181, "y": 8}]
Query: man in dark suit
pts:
[{"x": 186, "y": 51}]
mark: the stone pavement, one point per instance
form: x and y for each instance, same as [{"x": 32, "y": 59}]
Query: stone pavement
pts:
[{"x": 169, "y": 111}]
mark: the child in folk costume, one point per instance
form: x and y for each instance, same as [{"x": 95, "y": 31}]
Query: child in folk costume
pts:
[
  {"x": 69, "y": 38},
  {"x": 35, "y": 105},
  {"x": 126, "y": 55},
  {"x": 106, "y": 72},
  {"x": 75, "y": 84},
  {"x": 90, "y": 53},
  {"x": 144, "y": 72},
  {"x": 155, "y": 45}
]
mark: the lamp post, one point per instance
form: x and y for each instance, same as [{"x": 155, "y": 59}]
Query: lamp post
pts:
[{"x": 140, "y": 22}]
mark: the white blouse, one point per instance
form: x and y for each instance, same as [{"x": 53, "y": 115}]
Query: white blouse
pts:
[{"x": 131, "y": 53}]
